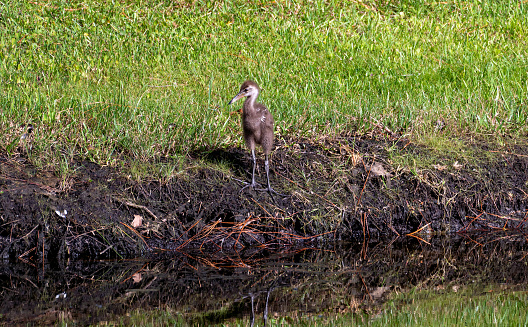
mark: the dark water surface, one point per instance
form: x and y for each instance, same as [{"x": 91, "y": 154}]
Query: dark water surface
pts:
[{"x": 212, "y": 287}]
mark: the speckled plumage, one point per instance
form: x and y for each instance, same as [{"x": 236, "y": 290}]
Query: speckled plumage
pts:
[{"x": 257, "y": 124}]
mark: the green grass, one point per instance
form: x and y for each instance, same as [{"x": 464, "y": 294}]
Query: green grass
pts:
[
  {"x": 467, "y": 307},
  {"x": 150, "y": 79}
]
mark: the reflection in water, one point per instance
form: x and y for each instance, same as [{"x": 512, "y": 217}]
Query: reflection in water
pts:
[
  {"x": 212, "y": 287},
  {"x": 252, "y": 296}
]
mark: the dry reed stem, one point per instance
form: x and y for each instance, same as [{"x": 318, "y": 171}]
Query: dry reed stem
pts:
[
  {"x": 471, "y": 239},
  {"x": 523, "y": 221},
  {"x": 464, "y": 229},
  {"x": 186, "y": 232},
  {"x": 92, "y": 231},
  {"x": 250, "y": 227},
  {"x": 366, "y": 288},
  {"x": 418, "y": 230},
  {"x": 135, "y": 232},
  {"x": 25, "y": 253},
  {"x": 418, "y": 238}
]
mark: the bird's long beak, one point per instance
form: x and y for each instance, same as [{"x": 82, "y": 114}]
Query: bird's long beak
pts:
[{"x": 238, "y": 96}]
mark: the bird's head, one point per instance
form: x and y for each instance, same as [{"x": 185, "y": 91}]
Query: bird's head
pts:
[{"x": 248, "y": 89}]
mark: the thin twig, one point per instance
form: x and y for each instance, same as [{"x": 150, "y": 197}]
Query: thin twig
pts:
[{"x": 137, "y": 206}]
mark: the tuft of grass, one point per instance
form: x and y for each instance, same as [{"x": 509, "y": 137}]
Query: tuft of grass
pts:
[{"x": 151, "y": 79}]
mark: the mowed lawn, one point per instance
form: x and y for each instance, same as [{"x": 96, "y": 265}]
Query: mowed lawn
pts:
[{"x": 151, "y": 79}]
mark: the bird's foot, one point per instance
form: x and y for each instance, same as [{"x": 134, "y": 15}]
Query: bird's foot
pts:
[
  {"x": 252, "y": 185},
  {"x": 270, "y": 190},
  {"x": 246, "y": 184}
]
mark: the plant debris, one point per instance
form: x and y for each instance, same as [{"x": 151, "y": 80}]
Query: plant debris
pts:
[{"x": 346, "y": 188}]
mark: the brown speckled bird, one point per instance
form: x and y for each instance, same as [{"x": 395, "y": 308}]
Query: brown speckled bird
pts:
[{"x": 257, "y": 124}]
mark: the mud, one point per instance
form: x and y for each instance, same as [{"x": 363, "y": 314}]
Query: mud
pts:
[{"x": 341, "y": 189}]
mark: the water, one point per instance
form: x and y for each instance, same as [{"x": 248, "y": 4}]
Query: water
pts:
[{"x": 214, "y": 287}]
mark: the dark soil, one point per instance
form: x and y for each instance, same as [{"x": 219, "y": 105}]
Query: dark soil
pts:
[{"x": 330, "y": 193}]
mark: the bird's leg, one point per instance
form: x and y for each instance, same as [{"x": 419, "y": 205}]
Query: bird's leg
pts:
[
  {"x": 253, "y": 184},
  {"x": 254, "y": 165},
  {"x": 266, "y": 307},
  {"x": 266, "y": 165},
  {"x": 269, "y": 189}
]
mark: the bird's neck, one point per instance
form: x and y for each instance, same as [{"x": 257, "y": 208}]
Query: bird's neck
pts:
[{"x": 249, "y": 104}]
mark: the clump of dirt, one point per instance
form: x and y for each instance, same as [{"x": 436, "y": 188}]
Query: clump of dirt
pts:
[{"x": 342, "y": 189}]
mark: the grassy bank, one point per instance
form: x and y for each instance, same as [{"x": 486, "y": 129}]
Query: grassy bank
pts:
[
  {"x": 151, "y": 79},
  {"x": 418, "y": 308}
]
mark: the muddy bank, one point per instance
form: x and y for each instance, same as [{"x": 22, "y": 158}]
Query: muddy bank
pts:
[{"x": 342, "y": 189}]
